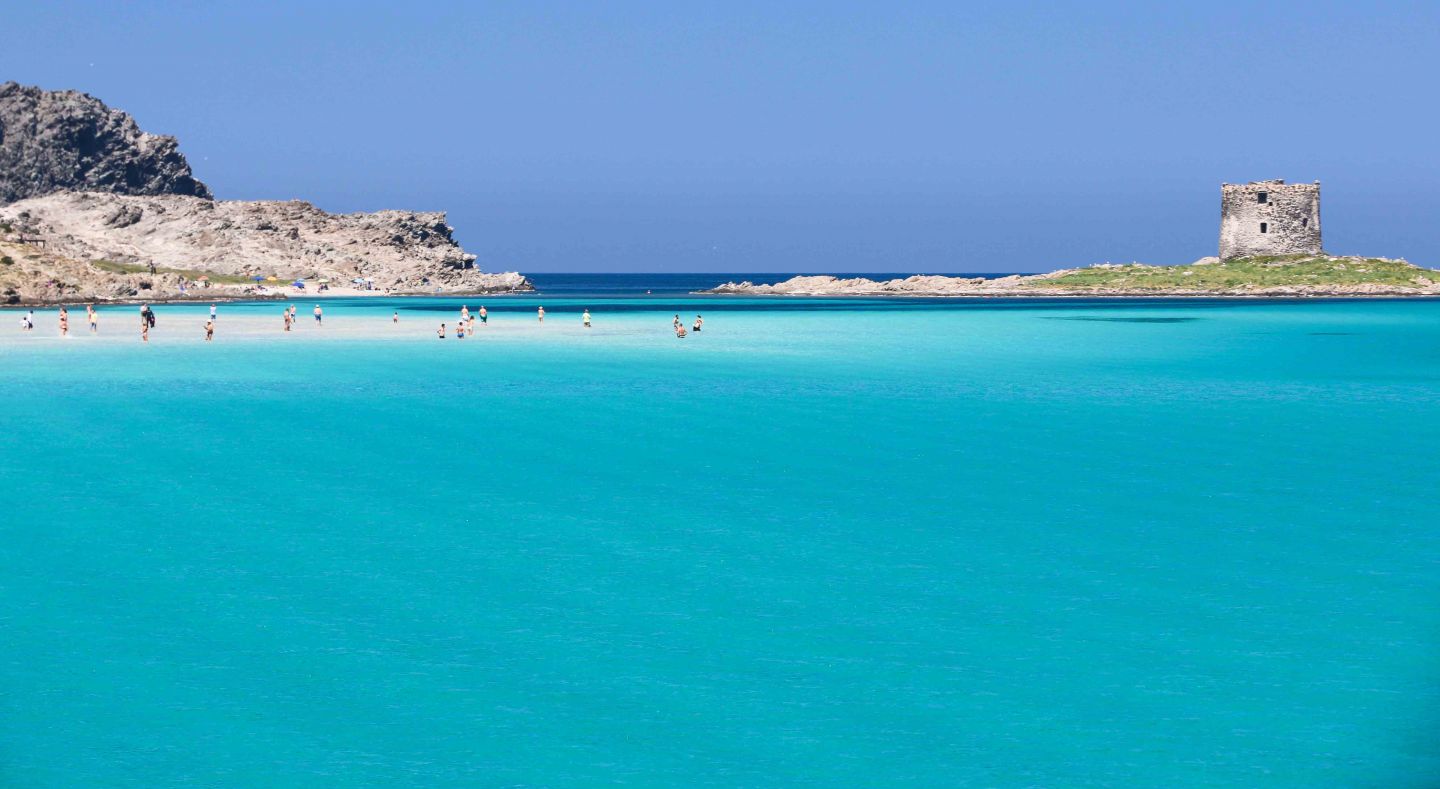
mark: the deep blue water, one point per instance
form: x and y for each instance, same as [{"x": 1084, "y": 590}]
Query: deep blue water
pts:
[{"x": 822, "y": 543}]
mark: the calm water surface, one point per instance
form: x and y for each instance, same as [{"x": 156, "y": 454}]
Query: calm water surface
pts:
[{"x": 824, "y": 543}]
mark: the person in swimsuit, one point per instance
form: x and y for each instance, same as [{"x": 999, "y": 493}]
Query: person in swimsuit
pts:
[
  {"x": 212, "y": 312},
  {"x": 676, "y": 322},
  {"x": 64, "y": 322},
  {"x": 586, "y": 317},
  {"x": 441, "y": 333},
  {"x": 318, "y": 314},
  {"x": 484, "y": 316},
  {"x": 93, "y": 316},
  {"x": 679, "y": 330},
  {"x": 460, "y": 330},
  {"x": 542, "y": 314},
  {"x": 289, "y": 318},
  {"x": 395, "y": 318},
  {"x": 699, "y": 321},
  {"x": 144, "y": 328},
  {"x": 209, "y": 330}
]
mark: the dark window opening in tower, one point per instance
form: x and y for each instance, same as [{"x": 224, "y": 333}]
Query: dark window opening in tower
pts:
[
  {"x": 1305, "y": 221},
  {"x": 1264, "y": 227},
  {"x": 1262, "y": 197}
]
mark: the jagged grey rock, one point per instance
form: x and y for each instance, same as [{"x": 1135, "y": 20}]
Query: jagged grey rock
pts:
[{"x": 52, "y": 141}]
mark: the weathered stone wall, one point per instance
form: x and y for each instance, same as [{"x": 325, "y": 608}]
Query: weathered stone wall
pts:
[{"x": 1286, "y": 223}]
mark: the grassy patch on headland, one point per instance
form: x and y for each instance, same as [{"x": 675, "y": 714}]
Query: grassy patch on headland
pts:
[
  {"x": 1249, "y": 273},
  {"x": 192, "y": 274}
]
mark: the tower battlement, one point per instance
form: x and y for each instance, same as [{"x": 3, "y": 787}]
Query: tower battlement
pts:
[{"x": 1269, "y": 218}]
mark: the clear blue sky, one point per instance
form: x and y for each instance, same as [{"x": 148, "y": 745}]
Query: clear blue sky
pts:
[{"x": 767, "y": 136}]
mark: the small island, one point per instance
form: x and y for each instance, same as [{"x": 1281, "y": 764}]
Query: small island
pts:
[
  {"x": 1259, "y": 276},
  {"x": 1269, "y": 247}
]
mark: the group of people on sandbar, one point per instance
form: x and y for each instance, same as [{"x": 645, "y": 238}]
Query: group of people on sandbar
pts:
[
  {"x": 680, "y": 326},
  {"x": 27, "y": 321},
  {"x": 466, "y": 325}
]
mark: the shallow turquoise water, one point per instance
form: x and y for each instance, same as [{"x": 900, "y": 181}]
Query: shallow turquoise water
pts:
[{"x": 836, "y": 544}]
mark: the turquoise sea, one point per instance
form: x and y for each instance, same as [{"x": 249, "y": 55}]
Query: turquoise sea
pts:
[{"x": 823, "y": 543}]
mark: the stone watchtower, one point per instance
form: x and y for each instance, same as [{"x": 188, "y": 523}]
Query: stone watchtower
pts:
[{"x": 1269, "y": 218}]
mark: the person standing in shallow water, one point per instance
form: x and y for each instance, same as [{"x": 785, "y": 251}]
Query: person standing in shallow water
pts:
[
  {"x": 64, "y": 322},
  {"x": 319, "y": 314},
  {"x": 93, "y": 316},
  {"x": 542, "y": 314},
  {"x": 441, "y": 332},
  {"x": 586, "y": 317},
  {"x": 395, "y": 318},
  {"x": 144, "y": 328},
  {"x": 289, "y": 318},
  {"x": 699, "y": 321},
  {"x": 212, "y": 313},
  {"x": 484, "y": 316},
  {"x": 209, "y": 330},
  {"x": 676, "y": 323}
]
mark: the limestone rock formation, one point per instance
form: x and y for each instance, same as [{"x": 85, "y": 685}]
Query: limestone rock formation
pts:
[
  {"x": 66, "y": 140},
  {"x": 400, "y": 251}
]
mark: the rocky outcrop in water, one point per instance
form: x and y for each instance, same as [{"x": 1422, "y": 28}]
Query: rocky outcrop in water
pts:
[{"x": 53, "y": 141}]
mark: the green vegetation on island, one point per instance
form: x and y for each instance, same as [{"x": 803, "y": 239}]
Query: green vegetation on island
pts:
[
  {"x": 1247, "y": 273},
  {"x": 191, "y": 274}
]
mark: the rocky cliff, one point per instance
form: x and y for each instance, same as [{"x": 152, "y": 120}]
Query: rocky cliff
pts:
[
  {"x": 100, "y": 209},
  {"x": 57, "y": 140}
]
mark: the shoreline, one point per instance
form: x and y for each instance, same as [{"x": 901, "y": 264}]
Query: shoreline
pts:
[{"x": 333, "y": 293}]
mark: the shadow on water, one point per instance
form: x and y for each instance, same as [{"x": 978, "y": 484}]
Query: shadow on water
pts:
[{"x": 1116, "y": 320}]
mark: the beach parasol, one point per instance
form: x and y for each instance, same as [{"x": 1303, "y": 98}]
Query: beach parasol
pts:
[
  {"x": 272, "y": 279},
  {"x": 258, "y": 278},
  {"x": 202, "y": 278}
]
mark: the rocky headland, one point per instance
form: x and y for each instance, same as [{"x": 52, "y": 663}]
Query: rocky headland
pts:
[
  {"x": 1278, "y": 276},
  {"x": 94, "y": 208}
]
